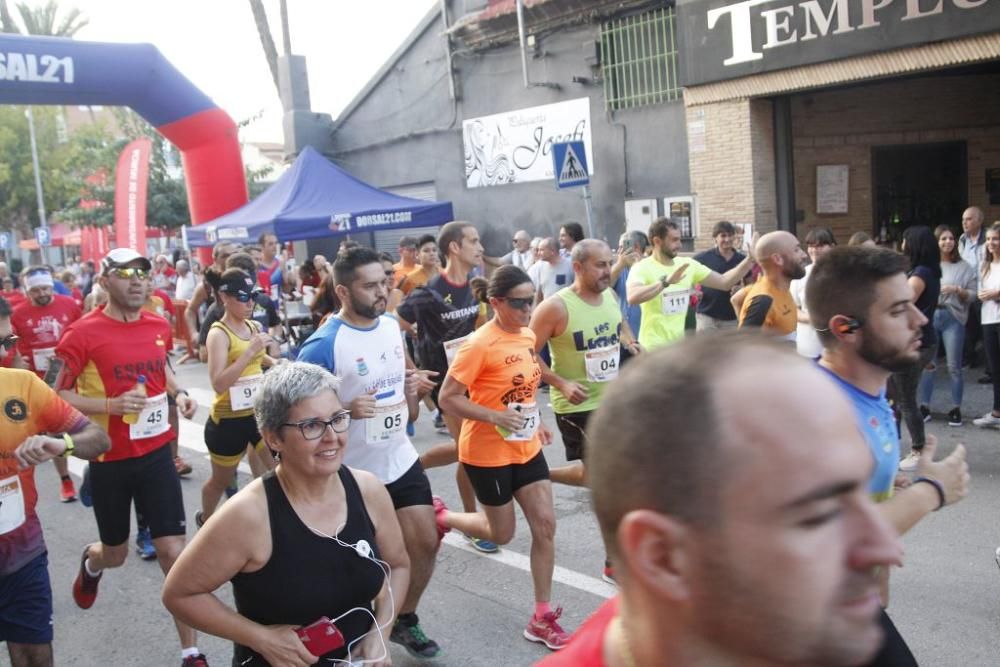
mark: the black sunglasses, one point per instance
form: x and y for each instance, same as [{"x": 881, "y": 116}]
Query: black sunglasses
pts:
[
  {"x": 516, "y": 303},
  {"x": 8, "y": 342}
]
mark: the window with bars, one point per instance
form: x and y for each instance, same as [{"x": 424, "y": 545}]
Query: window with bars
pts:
[{"x": 639, "y": 60}]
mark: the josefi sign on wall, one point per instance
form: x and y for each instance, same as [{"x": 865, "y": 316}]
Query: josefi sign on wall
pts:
[
  {"x": 516, "y": 146},
  {"x": 728, "y": 39}
]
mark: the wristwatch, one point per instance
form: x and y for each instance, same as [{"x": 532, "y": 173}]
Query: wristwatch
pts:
[
  {"x": 665, "y": 281},
  {"x": 70, "y": 446}
]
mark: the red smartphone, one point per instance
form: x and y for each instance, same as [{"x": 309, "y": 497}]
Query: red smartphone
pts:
[{"x": 320, "y": 637}]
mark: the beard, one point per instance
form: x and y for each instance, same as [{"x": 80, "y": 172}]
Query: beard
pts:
[
  {"x": 876, "y": 352},
  {"x": 795, "y": 271},
  {"x": 371, "y": 311}
]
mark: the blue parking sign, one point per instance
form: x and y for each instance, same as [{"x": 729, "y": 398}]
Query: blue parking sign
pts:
[
  {"x": 5, "y": 240},
  {"x": 44, "y": 236}
]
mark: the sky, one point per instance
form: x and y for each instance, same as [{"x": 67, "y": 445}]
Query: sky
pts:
[{"x": 215, "y": 44}]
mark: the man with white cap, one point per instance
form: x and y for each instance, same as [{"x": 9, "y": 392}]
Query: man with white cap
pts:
[
  {"x": 39, "y": 323},
  {"x": 115, "y": 371}
]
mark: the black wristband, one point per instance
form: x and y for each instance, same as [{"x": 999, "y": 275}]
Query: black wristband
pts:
[{"x": 937, "y": 486}]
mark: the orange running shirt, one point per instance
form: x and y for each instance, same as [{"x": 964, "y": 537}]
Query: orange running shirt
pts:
[
  {"x": 27, "y": 407},
  {"x": 499, "y": 368},
  {"x": 107, "y": 356}
]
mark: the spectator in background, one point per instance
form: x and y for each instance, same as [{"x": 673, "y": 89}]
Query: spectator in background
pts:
[
  {"x": 818, "y": 242},
  {"x": 861, "y": 238},
  {"x": 164, "y": 277},
  {"x": 632, "y": 246},
  {"x": 14, "y": 296},
  {"x": 714, "y": 310},
  {"x": 407, "y": 259},
  {"x": 186, "y": 282},
  {"x": 989, "y": 297},
  {"x": 522, "y": 256},
  {"x": 958, "y": 290},
  {"x": 5, "y": 273},
  {"x": 430, "y": 265},
  {"x": 555, "y": 270},
  {"x": 68, "y": 279},
  {"x": 325, "y": 302},
  {"x": 972, "y": 248},
  {"x": 920, "y": 246},
  {"x": 570, "y": 234}
]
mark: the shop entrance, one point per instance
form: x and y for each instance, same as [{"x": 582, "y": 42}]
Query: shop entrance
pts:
[{"x": 918, "y": 184}]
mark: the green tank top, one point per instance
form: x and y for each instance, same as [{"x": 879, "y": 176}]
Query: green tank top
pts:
[
  {"x": 222, "y": 406},
  {"x": 587, "y": 352}
]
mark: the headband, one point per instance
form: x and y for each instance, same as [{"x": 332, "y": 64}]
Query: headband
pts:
[{"x": 38, "y": 279}]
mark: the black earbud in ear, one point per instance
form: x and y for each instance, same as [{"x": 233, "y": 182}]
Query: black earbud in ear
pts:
[{"x": 850, "y": 325}]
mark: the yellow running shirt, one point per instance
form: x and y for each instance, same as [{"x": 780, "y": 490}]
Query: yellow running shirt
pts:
[{"x": 663, "y": 316}]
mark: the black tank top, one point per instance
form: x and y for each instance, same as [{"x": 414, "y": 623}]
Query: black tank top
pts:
[{"x": 309, "y": 576}]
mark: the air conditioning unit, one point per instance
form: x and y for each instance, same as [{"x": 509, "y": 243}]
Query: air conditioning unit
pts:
[{"x": 639, "y": 214}]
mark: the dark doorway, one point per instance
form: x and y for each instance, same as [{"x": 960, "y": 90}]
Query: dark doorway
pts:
[{"x": 921, "y": 184}]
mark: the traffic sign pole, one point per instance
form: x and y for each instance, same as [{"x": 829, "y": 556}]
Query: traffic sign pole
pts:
[{"x": 590, "y": 210}]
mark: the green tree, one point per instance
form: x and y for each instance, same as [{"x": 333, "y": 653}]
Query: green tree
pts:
[{"x": 42, "y": 20}]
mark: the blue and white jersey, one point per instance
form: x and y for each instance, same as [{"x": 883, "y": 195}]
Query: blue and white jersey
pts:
[{"x": 369, "y": 360}]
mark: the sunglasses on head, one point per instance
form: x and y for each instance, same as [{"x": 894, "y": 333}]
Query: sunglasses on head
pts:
[
  {"x": 518, "y": 304},
  {"x": 129, "y": 272},
  {"x": 8, "y": 342}
]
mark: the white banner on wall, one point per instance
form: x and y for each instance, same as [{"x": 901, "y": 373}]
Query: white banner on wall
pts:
[{"x": 514, "y": 146}]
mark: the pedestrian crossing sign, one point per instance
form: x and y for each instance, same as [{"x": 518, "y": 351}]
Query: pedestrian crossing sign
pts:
[{"x": 569, "y": 160}]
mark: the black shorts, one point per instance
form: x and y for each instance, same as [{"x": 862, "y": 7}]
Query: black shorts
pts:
[
  {"x": 573, "y": 427},
  {"x": 227, "y": 440},
  {"x": 26, "y": 603},
  {"x": 496, "y": 486},
  {"x": 412, "y": 488},
  {"x": 151, "y": 481}
]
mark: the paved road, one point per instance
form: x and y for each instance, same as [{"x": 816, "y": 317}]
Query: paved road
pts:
[{"x": 945, "y": 600}]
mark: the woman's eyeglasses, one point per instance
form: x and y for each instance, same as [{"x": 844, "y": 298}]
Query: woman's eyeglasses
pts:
[
  {"x": 8, "y": 342},
  {"x": 129, "y": 272},
  {"x": 518, "y": 304},
  {"x": 313, "y": 429}
]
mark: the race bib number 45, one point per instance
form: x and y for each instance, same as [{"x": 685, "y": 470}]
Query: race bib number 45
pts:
[
  {"x": 152, "y": 420},
  {"x": 675, "y": 302}
]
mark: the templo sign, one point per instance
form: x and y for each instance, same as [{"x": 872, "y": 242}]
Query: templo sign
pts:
[
  {"x": 515, "y": 146},
  {"x": 727, "y": 39}
]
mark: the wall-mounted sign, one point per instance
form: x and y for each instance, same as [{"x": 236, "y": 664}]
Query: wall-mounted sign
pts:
[
  {"x": 516, "y": 146},
  {"x": 832, "y": 188},
  {"x": 727, "y": 39}
]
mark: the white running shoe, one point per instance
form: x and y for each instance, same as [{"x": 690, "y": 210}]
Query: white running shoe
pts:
[
  {"x": 987, "y": 421},
  {"x": 910, "y": 462}
]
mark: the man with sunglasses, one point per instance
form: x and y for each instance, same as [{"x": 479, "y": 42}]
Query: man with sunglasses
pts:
[
  {"x": 364, "y": 348},
  {"x": 36, "y": 425},
  {"x": 39, "y": 323},
  {"x": 115, "y": 366}
]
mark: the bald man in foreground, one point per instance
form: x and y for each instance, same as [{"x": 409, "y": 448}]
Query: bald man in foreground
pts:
[
  {"x": 769, "y": 303},
  {"x": 733, "y": 544}
]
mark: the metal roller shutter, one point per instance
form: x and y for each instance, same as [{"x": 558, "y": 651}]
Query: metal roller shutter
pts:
[{"x": 388, "y": 241}]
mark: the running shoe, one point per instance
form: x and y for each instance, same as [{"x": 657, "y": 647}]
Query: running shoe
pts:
[
  {"x": 195, "y": 661},
  {"x": 85, "y": 497},
  {"x": 233, "y": 487},
  {"x": 925, "y": 413},
  {"x": 482, "y": 546},
  {"x": 410, "y": 429},
  {"x": 409, "y": 635},
  {"x": 199, "y": 518},
  {"x": 546, "y": 630},
  {"x": 439, "y": 424},
  {"x": 608, "y": 576},
  {"x": 955, "y": 417},
  {"x": 144, "y": 544},
  {"x": 183, "y": 467},
  {"x": 910, "y": 462},
  {"x": 85, "y": 586},
  {"x": 67, "y": 492},
  {"x": 987, "y": 421},
  {"x": 439, "y": 509}
]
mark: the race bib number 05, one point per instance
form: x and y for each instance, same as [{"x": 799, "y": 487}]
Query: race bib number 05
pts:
[
  {"x": 675, "y": 302},
  {"x": 242, "y": 392},
  {"x": 152, "y": 420},
  {"x": 602, "y": 363},
  {"x": 388, "y": 422}
]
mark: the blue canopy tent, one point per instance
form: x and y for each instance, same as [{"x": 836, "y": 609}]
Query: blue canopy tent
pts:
[{"x": 317, "y": 199}]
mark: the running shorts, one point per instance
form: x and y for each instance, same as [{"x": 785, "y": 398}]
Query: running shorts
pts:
[
  {"x": 496, "y": 486},
  {"x": 227, "y": 440},
  {"x": 412, "y": 488},
  {"x": 26, "y": 603},
  {"x": 573, "y": 427}
]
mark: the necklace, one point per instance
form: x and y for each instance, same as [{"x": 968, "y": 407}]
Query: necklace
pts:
[{"x": 621, "y": 643}]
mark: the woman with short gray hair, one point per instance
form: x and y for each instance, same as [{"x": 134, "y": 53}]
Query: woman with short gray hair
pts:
[{"x": 313, "y": 549}]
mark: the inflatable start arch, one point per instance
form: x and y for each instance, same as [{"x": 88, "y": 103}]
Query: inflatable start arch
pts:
[{"x": 49, "y": 70}]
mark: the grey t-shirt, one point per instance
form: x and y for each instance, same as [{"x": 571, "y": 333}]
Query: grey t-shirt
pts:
[
  {"x": 552, "y": 278},
  {"x": 961, "y": 274}
]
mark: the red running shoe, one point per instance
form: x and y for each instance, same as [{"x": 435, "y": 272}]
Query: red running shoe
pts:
[
  {"x": 67, "y": 492},
  {"x": 439, "y": 509},
  {"x": 85, "y": 586},
  {"x": 546, "y": 630},
  {"x": 195, "y": 661}
]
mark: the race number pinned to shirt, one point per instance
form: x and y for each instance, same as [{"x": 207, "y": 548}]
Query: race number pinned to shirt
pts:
[
  {"x": 41, "y": 358},
  {"x": 152, "y": 420},
  {"x": 242, "y": 392},
  {"x": 451, "y": 347},
  {"x": 602, "y": 363},
  {"x": 11, "y": 504},
  {"x": 531, "y": 421},
  {"x": 675, "y": 302},
  {"x": 388, "y": 422}
]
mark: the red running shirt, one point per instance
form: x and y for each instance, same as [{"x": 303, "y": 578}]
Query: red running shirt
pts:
[
  {"x": 106, "y": 356},
  {"x": 586, "y": 647},
  {"x": 40, "y": 327}
]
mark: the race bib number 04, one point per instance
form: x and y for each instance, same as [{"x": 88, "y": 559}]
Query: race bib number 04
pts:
[
  {"x": 152, "y": 420},
  {"x": 602, "y": 363},
  {"x": 11, "y": 504},
  {"x": 242, "y": 392},
  {"x": 675, "y": 302},
  {"x": 388, "y": 422}
]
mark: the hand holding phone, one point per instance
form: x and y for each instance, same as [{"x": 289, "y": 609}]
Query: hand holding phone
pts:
[{"x": 321, "y": 637}]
